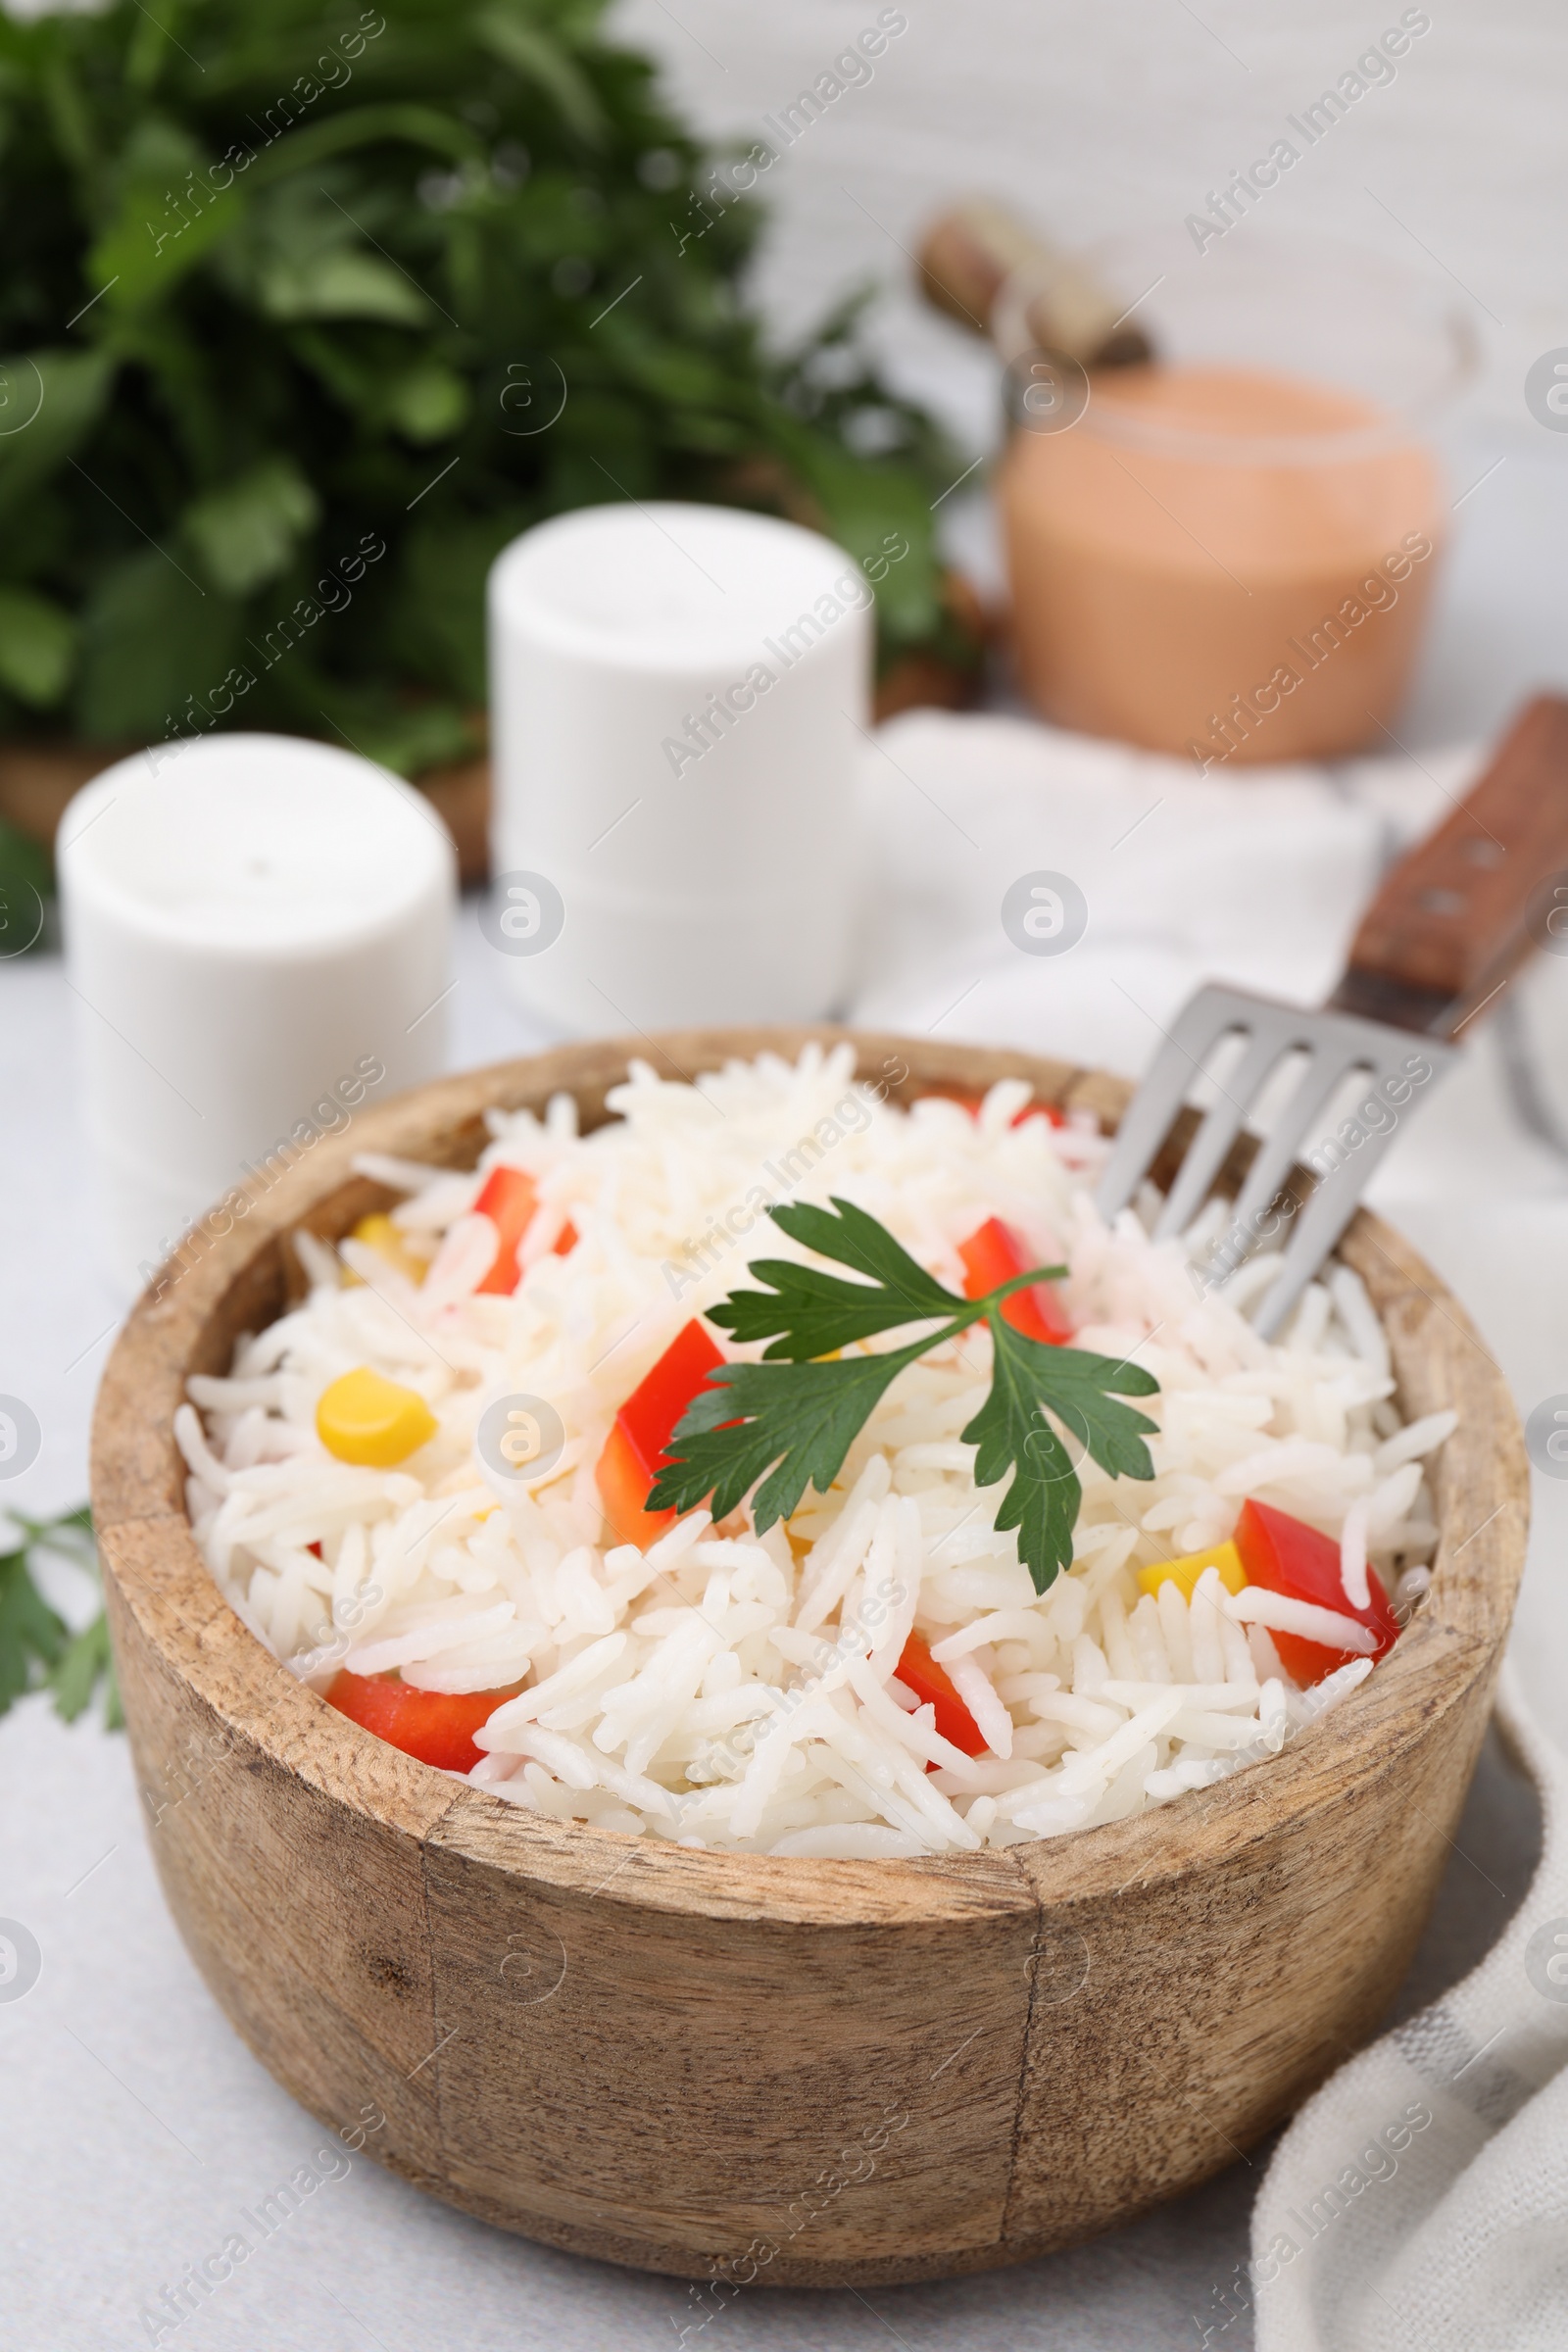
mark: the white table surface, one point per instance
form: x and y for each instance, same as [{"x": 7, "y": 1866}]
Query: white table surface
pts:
[{"x": 136, "y": 2124}]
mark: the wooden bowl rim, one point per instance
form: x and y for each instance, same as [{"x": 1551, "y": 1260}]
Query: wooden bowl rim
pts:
[{"x": 150, "y": 1551}]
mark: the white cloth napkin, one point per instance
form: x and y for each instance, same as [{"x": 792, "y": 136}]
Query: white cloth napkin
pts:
[
  {"x": 1456, "y": 2238},
  {"x": 1377, "y": 2231},
  {"x": 1256, "y": 876}
]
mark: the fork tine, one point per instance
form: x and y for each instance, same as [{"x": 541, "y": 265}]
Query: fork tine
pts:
[
  {"x": 1320, "y": 1225},
  {"x": 1205, "y": 1153},
  {"x": 1331, "y": 1064},
  {"x": 1202, "y": 1022}
]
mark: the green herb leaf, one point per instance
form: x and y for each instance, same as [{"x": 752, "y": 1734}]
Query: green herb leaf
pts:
[
  {"x": 246, "y": 532},
  {"x": 527, "y": 47},
  {"x": 817, "y": 1312},
  {"x": 37, "y": 1648},
  {"x": 803, "y": 1417},
  {"x": 790, "y": 1420},
  {"x": 32, "y": 1639},
  {"x": 428, "y": 403},
  {"x": 84, "y": 1663},
  {"x": 37, "y": 647},
  {"x": 144, "y": 629},
  {"x": 50, "y": 403},
  {"x": 1012, "y": 1432}
]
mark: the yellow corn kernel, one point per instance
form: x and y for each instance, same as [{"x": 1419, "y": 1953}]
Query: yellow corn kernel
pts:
[
  {"x": 1185, "y": 1573},
  {"x": 364, "y": 1418},
  {"x": 379, "y": 1234}
]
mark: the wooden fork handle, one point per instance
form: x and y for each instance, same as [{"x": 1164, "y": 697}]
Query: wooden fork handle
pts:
[{"x": 1457, "y": 915}]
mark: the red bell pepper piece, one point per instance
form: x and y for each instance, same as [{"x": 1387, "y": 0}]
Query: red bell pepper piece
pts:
[
  {"x": 1285, "y": 1556},
  {"x": 507, "y": 1198},
  {"x": 436, "y": 1726},
  {"x": 634, "y": 1451},
  {"x": 994, "y": 1254},
  {"x": 932, "y": 1685}
]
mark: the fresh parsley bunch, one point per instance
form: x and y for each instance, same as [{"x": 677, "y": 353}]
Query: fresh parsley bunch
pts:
[
  {"x": 291, "y": 291},
  {"x": 795, "y": 1417}
]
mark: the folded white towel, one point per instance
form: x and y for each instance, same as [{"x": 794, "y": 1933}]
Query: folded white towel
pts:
[{"x": 1419, "y": 2203}]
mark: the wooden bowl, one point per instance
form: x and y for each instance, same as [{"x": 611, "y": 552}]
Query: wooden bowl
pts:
[{"x": 738, "y": 2067}]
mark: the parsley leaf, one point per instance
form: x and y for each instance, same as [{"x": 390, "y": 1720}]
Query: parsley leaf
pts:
[
  {"x": 790, "y": 1420},
  {"x": 37, "y": 1648},
  {"x": 33, "y": 1638},
  {"x": 803, "y": 1417},
  {"x": 84, "y": 1663},
  {"x": 817, "y": 1312},
  {"x": 1012, "y": 1432}
]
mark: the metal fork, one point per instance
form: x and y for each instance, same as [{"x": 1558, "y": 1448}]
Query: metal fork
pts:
[{"x": 1449, "y": 928}]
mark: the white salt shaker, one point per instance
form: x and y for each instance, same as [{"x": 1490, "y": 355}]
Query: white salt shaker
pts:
[
  {"x": 258, "y": 934},
  {"x": 679, "y": 695}
]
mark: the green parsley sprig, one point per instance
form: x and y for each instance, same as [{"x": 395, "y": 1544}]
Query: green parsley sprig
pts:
[{"x": 795, "y": 1417}]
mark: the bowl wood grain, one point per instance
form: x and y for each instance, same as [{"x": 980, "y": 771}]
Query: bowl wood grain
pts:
[{"x": 736, "y": 2066}]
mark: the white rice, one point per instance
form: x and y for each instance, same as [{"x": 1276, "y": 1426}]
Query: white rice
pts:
[{"x": 740, "y": 1691}]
